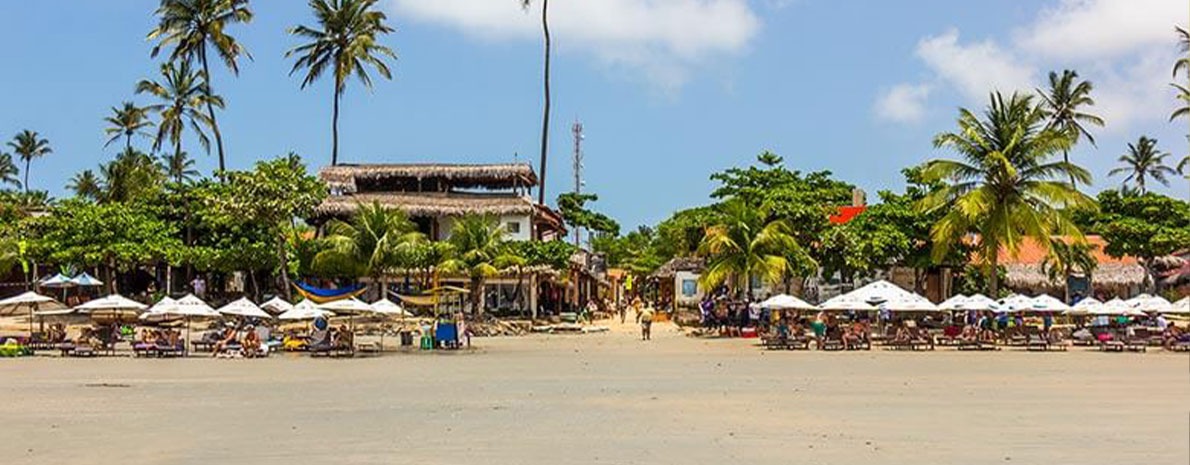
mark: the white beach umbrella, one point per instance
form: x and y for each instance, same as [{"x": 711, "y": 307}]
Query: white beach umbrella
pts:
[
  {"x": 388, "y": 307},
  {"x": 57, "y": 281},
  {"x": 1181, "y": 307},
  {"x": 786, "y": 302},
  {"x": 244, "y": 308},
  {"x": 1084, "y": 306},
  {"x": 1151, "y": 304},
  {"x": 1015, "y": 303},
  {"x": 31, "y": 302},
  {"x": 112, "y": 304},
  {"x": 350, "y": 306},
  {"x": 956, "y": 302},
  {"x": 845, "y": 302},
  {"x": 189, "y": 307},
  {"x": 881, "y": 291},
  {"x": 1116, "y": 307},
  {"x": 909, "y": 304},
  {"x": 277, "y": 305},
  {"x": 1046, "y": 303},
  {"x": 305, "y": 310}
]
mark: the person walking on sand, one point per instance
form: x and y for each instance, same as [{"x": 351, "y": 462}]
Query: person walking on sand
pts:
[{"x": 645, "y": 317}]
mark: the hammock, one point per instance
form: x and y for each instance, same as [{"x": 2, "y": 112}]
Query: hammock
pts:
[{"x": 322, "y": 296}]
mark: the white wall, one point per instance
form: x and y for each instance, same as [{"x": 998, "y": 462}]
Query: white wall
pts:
[
  {"x": 681, "y": 282},
  {"x": 446, "y": 224}
]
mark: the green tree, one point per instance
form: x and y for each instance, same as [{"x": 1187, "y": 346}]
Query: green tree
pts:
[
  {"x": 132, "y": 176},
  {"x": 28, "y": 145},
  {"x": 1004, "y": 186},
  {"x": 746, "y": 243},
  {"x": 127, "y": 121},
  {"x": 1067, "y": 258},
  {"x": 478, "y": 243},
  {"x": 190, "y": 27},
  {"x": 573, "y": 208},
  {"x": 1144, "y": 161},
  {"x": 179, "y": 167},
  {"x": 1063, "y": 104},
  {"x": 371, "y": 239},
  {"x": 9, "y": 173},
  {"x": 545, "y": 118},
  {"x": 346, "y": 39},
  {"x": 183, "y": 95},
  {"x": 1145, "y": 226},
  {"x": 86, "y": 185}
]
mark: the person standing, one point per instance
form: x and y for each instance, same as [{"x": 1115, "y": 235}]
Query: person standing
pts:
[
  {"x": 645, "y": 317},
  {"x": 199, "y": 286}
]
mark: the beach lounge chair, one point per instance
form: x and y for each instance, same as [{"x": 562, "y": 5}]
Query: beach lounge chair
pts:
[
  {"x": 976, "y": 345},
  {"x": 142, "y": 350},
  {"x": 1136, "y": 343},
  {"x": 950, "y": 336},
  {"x": 832, "y": 343},
  {"x": 921, "y": 340}
]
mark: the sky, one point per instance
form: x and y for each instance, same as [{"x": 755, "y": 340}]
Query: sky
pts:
[{"x": 669, "y": 91}]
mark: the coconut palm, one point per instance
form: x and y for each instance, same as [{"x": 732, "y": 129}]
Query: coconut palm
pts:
[
  {"x": 1183, "y": 63},
  {"x": 1067, "y": 258},
  {"x": 179, "y": 168},
  {"x": 183, "y": 94},
  {"x": 545, "y": 118},
  {"x": 85, "y": 185},
  {"x": 1144, "y": 161},
  {"x": 370, "y": 240},
  {"x": 127, "y": 121},
  {"x": 1063, "y": 104},
  {"x": 28, "y": 145},
  {"x": 345, "y": 39},
  {"x": 133, "y": 174},
  {"x": 190, "y": 26},
  {"x": 479, "y": 251},
  {"x": 9, "y": 173},
  {"x": 745, "y": 243},
  {"x": 1004, "y": 186}
]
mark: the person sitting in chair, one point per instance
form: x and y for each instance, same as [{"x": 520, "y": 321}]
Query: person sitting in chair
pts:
[
  {"x": 345, "y": 339},
  {"x": 252, "y": 343},
  {"x": 229, "y": 339}
]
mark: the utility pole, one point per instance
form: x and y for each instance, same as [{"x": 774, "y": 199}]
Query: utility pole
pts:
[{"x": 577, "y": 129}]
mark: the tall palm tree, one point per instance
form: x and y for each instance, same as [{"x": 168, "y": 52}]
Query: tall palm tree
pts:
[
  {"x": 86, "y": 185},
  {"x": 745, "y": 243},
  {"x": 346, "y": 39},
  {"x": 190, "y": 26},
  {"x": 29, "y": 146},
  {"x": 1144, "y": 161},
  {"x": 1067, "y": 258},
  {"x": 478, "y": 243},
  {"x": 545, "y": 118},
  {"x": 183, "y": 95},
  {"x": 131, "y": 175},
  {"x": 179, "y": 168},
  {"x": 1183, "y": 63},
  {"x": 1003, "y": 187},
  {"x": 127, "y": 121},
  {"x": 370, "y": 240},
  {"x": 9, "y": 173},
  {"x": 1063, "y": 104}
]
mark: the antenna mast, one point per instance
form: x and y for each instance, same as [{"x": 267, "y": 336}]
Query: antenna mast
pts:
[{"x": 577, "y": 129}]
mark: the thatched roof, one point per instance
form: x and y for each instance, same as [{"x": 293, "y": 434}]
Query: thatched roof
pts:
[
  {"x": 670, "y": 268},
  {"x": 429, "y": 204},
  {"x": 1028, "y": 277},
  {"x": 429, "y": 176}
]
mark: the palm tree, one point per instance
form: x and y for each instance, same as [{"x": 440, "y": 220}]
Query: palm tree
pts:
[
  {"x": 745, "y": 243},
  {"x": 131, "y": 175},
  {"x": 1183, "y": 63},
  {"x": 9, "y": 173},
  {"x": 179, "y": 167},
  {"x": 127, "y": 121},
  {"x": 29, "y": 145},
  {"x": 1144, "y": 161},
  {"x": 545, "y": 118},
  {"x": 346, "y": 39},
  {"x": 190, "y": 26},
  {"x": 1063, "y": 106},
  {"x": 478, "y": 243},
  {"x": 86, "y": 185},
  {"x": 1003, "y": 187},
  {"x": 370, "y": 240},
  {"x": 183, "y": 95},
  {"x": 1065, "y": 259}
]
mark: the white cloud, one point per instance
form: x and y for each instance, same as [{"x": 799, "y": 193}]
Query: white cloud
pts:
[
  {"x": 1097, "y": 29},
  {"x": 664, "y": 41},
  {"x": 1125, "y": 47},
  {"x": 975, "y": 69},
  {"x": 903, "y": 103}
]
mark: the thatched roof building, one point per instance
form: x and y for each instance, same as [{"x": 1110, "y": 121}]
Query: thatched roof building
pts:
[
  {"x": 672, "y": 267},
  {"x": 430, "y": 204},
  {"x": 1116, "y": 275},
  {"x": 427, "y": 177}
]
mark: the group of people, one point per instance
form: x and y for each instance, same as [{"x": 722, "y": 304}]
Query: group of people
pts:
[{"x": 228, "y": 343}]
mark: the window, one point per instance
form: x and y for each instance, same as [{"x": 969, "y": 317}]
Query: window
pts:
[
  {"x": 689, "y": 288},
  {"x": 514, "y": 227}
]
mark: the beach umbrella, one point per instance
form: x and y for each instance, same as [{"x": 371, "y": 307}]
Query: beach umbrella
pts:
[
  {"x": 786, "y": 302},
  {"x": 277, "y": 305},
  {"x": 305, "y": 310},
  {"x": 57, "y": 281},
  {"x": 85, "y": 280},
  {"x": 30, "y": 301},
  {"x": 909, "y": 304},
  {"x": 388, "y": 307},
  {"x": 1150, "y": 304},
  {"x": 1046, "y": 303},
  {"x": 1014, "y": 303},
  {"x": 956, "y": 302},
  {"x": 115, "y": 304},
  {"x": 1085, "y": 306},
  {"x": 981, "y": 302},
  {"x": 881, "y": 291},
  {"x": 188, "y": 307},
  {"x": 352, "y": 306},
  {"x": 1116, "y": 307},
  {"x": 244, "y": 308},
  {"x": 845, "y": 302},
  {"x": 1181, "y": 307}
]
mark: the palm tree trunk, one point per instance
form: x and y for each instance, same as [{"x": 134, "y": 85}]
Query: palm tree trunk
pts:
[
  {"x": 994, "y": 274},
  {"x": 1066, "y": 158},
  {"x": 202, "y": 52},
  {"x": 28, "y": 161},
  {"x": 284, "y": 261},
  {"x": 335, "y": 127},
  {"x": 127, "y": 141},
  {"x": 545, "y": 119}
]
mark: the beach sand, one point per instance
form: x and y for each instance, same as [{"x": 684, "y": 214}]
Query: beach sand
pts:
[{"x": 603, "y": 398}]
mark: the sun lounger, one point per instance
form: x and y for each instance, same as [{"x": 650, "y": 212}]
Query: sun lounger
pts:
[
  {"x": 974, "y": 345},
  {"x": 1111, "y": 346},
  {"x": 1136, "y": 344},
  {"x": 369, "y": 348},
  {"x": 140, "y": 350},
  {"x": 82, "y": 351},
  {"x": 832, "y": 344}
]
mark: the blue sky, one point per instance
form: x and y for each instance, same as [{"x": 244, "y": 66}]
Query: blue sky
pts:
[{"x": 669, "y": 90}]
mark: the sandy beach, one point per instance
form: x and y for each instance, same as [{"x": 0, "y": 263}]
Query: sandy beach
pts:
[{"x": 603, "y": 398}]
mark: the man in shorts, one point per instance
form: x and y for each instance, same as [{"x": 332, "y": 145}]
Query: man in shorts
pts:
[{"x": 645, "y": 316}]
